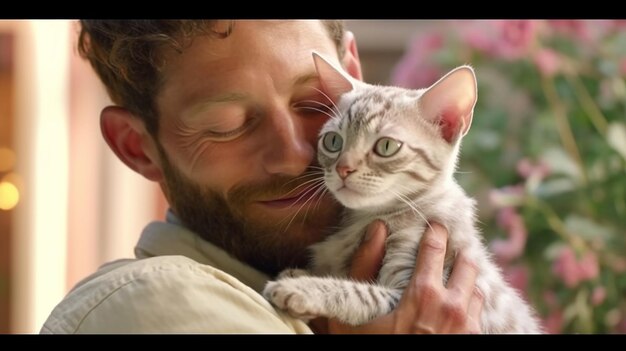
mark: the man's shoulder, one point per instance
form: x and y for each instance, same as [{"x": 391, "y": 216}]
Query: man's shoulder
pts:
[
  {"x": 159, "y": 294},
  {"x": 128, "y": 278},
  {"x": 117, "y": 273}
]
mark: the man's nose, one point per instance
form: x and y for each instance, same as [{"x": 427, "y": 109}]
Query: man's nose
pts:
[{"x": 288, "y": 150}]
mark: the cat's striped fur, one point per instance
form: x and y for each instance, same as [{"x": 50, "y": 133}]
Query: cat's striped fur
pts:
[{"x": 403, "y": 190}]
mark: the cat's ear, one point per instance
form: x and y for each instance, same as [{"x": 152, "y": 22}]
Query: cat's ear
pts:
[
  {"x": 450, "y": 102},
  {"x": 334, "y": 81}
]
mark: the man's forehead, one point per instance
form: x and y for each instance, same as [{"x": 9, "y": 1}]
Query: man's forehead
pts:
[{"x": 236, "y": 65}]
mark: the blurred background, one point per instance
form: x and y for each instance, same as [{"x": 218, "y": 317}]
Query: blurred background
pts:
[{"x": 545, "y": 158}]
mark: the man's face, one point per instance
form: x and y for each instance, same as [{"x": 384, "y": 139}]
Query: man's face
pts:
[{"x": 239, "y": 145}]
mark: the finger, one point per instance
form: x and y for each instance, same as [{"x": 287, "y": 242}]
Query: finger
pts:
[
  {"x": 319, "y": 325},
  {"x": 431, "y": 254},
  {"x": 463, "y": 278},
  {"x": 380, "y": 325},
  {"x": 369, "y": 256},
  {"x": 475, "y": 310}
]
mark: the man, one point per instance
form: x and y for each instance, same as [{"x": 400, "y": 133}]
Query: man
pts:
[{"x": 212, "y": 111}]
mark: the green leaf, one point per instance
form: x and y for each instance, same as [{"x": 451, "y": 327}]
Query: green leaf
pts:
[
  {"x": 554, "y": 187},
  {"x": 586, "y": 227}
]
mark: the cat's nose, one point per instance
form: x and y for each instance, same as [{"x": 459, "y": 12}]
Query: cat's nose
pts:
[{"x": 344, "y": 171}]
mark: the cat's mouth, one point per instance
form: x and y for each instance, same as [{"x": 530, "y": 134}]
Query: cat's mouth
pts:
[{"x": 344, "y": 189}]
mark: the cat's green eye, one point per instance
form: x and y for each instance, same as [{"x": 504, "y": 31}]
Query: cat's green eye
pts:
[
  {"x": 332, "y": 142},
  {"x": 387, "y": 147}
]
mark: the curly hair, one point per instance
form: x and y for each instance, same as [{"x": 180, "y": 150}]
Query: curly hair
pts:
[{"x": 128, "y": 55}]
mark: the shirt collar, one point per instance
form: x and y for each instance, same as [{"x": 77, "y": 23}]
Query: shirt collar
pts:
[{"x": 172, "y": 238}]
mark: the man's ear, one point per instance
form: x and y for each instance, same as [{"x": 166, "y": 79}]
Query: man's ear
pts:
[
  {"x": 127, "y": 136},
  {"x": 350, "y": 61}
]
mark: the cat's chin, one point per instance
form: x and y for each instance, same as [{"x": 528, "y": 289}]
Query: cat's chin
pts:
[{"x": 352, "y": 199}]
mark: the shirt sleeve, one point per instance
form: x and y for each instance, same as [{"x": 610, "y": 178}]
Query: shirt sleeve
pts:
[{"x": 168, "y": 294}]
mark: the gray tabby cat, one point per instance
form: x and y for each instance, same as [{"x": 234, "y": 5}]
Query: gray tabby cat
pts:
[{"x": 390, "y": 154}]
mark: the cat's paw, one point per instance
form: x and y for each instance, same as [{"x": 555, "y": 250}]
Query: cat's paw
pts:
[
  {"x": 290, "y": 298},
  {"x": 292, "y": 273}
]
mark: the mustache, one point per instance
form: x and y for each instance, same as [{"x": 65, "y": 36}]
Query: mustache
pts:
[{"x": 277, "y": 187}]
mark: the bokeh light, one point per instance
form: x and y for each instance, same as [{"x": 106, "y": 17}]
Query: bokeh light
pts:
[{"x": 9, "y": 196}]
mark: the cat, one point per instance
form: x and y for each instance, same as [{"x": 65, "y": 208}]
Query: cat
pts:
[{"x": 390, "y": 153}]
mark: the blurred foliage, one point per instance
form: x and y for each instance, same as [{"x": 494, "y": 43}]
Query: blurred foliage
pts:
[{"x": 545, "y": 156}]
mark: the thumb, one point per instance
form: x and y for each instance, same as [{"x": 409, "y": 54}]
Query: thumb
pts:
[{"x": 368, "y": 258}]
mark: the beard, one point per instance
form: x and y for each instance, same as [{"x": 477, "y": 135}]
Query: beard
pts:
[{"x": 268, "y": 245}]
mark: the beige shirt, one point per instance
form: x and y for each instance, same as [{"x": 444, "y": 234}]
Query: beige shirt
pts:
[{"x": 178, "y": 283}]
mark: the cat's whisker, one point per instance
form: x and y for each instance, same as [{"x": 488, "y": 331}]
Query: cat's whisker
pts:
[
  {"x": 412, "y": 205},
  {"x": 317, "y": 191},
  {"x": 332, "y": 109},
  {"x": 319, "y": 199},
  {"x": 335, "y": 107},
  {"x": 408, "y": 189},
  {"x": 315, "y": 187},
  {"x": 323, "y": 189},
  {"x": 316, "y": 184},
  {"x": 332, "y": 116},
  {"x": 303, "y": 184},
  {"x": 314, "y": 174}
]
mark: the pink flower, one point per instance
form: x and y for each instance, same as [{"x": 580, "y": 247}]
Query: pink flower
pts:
[
  {"x": 588, "y": 266},
  {"x": 477, "y": 36},
  {"x": 590, "y": 32},
  {"x": 416, "y": 68},
  {"x": 571, "y": 271},
  {"x": 526, "y": 168},
  {"x": 598, "y": 295},
  {"x": 516, "y": 37},
  {"x": 513, "y": 247},
  {"x": 547, "y": 61},
  {"x": 620, "y": 24},
  {"x": 576, "y": 28},
  {"x": 508, "y": 39},
  {"x": 566, "y": 267}
]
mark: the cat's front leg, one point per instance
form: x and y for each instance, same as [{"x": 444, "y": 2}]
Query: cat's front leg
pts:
[
  {"x": 349, "y": 301},
  {"x": 291, "y": 295}
]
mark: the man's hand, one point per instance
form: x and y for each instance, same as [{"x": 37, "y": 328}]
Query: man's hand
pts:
[{"x": 427, "y": 306}]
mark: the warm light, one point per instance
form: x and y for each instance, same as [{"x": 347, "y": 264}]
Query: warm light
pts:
[
  {"x": 15, "y": 179},
  {"x": 7, "y": 159},
  {"x": 9, "y": 196},
  {"x": 42, "y": 75}
]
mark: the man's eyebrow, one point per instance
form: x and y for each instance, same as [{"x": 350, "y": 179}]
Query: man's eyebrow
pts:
[
  {"x": 306, "y": 79},
  {"x": 226, "y": 97},
  {"x": 205, "y": 104}
]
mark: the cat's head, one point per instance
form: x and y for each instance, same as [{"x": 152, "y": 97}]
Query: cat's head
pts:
[{"x": 386, "y": 143}]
